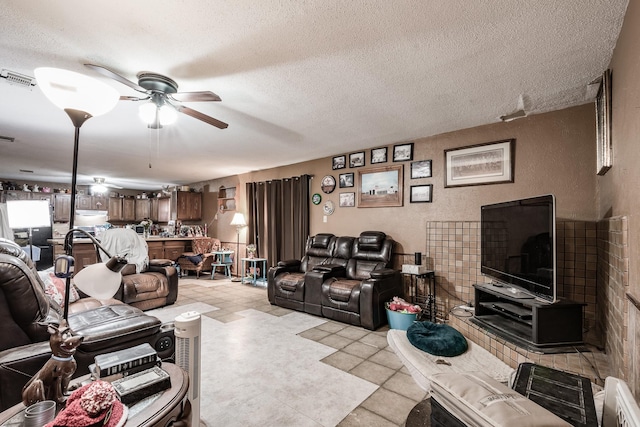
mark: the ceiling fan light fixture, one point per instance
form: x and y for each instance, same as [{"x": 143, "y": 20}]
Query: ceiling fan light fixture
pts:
[
  {"x": 70, "y": 90},
  {"x": 167, "y": 115},
  {"x": 99, "y": 186},
  {"x": 147, "y": 112}
]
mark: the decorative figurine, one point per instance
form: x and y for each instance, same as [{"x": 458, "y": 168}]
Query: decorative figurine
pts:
[
  {"x": 52, "y": 380},
  {"x": 25, "y": 187},
  {"x": 36, "y": 188}
]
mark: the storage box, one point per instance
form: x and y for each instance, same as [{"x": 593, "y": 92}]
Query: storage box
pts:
[
  {"x": 399, "y": 320},
  {"x": 414, "y": 269}
]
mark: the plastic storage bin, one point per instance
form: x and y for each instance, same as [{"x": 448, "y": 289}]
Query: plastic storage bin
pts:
[{"x": 399, "y": 320}]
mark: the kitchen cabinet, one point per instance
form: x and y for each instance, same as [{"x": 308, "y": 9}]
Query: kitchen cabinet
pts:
[
  {"x": 173, "y": 250},
  {"x": 122, "y": 209},
  {"x": 128, "y": 209},
  {"x": 163, "y": 212},
  {"x": 86, "y": 202},
  {"x": 115, "y": 209},
  {"x": 226, "y": 199},
  {"x": 142, "y": 209},
  {"x": 83, "y": 254},
  {"x": 156, "y": 250},
  {"x": 61, "y": 207},
  {"x": 186, "y": 205}
]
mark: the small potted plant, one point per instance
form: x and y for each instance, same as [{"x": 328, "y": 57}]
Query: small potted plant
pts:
[
  {"x": 251, "y": 250},
  {"x": 401, "y": 314}
]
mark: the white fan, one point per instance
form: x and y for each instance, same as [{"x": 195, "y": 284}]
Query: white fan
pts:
[{"x": 100, "y": 186}]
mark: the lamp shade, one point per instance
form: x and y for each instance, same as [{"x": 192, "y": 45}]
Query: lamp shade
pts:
[
  {"x": 70, "y": 90},
  {"x": 238, "y": 220},
  {"x": 28, "y": 213},
  {"x": 100, "y": 280}
]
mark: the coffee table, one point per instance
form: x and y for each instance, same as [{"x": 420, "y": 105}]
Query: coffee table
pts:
[{"x": 158, "y": 410}]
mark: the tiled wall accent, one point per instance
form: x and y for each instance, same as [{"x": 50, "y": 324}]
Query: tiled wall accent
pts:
[
  {"x": 633, "y": 378},
  {"x": 576, "y": 247},
  {"x": 453, "y": 251},
  {"x": 613, "y": 284}
]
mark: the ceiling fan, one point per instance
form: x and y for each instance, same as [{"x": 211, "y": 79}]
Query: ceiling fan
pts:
[
  {"x": 163, "y": 91},
  {"x": 100, "y": 182}
]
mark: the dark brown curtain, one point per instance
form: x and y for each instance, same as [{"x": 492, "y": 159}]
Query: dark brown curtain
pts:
[{"x": 278, "y": 217}]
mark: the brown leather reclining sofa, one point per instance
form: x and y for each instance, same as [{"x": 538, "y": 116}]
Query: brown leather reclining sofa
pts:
[
  {"x": 342, "y": 278},
  {"x": 25, "y": 311}
]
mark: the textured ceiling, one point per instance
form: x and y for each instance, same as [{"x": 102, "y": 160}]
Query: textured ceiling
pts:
[{"x": 299, "y": 80}]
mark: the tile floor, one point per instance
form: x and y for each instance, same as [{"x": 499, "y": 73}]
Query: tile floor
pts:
[{"x": 359, "y": 352}]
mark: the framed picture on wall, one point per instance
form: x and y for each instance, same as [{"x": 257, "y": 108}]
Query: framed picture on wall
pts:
[
  {"x": 356, "y": 160},
  {"x": 490, "y": 163},
  {"x": 403, "y": 152},
  {"x": 346, "y": 180},
  {"x": 421, "y": 193},
  {"x": 603, "y": 124},
  {"x": 378, "y": 155},
  {"x": 347, "y": 200},
  {"x": 421, "y": 169},
  {"x": 380, "y": 187},
  {"x": 339, "y": 162}
]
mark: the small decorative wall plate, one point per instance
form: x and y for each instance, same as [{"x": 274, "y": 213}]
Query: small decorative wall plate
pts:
[
  {"x": 328, "y": 184},
  {"x": 328, "y": 207},
  {"x": 316, "y": 199}
]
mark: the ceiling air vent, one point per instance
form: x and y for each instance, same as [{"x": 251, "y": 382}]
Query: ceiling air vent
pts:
[{"x": 17, "y": 78}]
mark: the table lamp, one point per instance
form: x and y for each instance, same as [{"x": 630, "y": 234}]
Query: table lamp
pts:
[
  {"x": 28, "y": 214},
  {"x": 239, "y": 221}
]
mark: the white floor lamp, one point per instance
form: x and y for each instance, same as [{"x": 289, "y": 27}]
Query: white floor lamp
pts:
[{"x": 239, "y": 221}]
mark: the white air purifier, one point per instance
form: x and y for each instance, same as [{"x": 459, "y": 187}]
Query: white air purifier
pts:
[{"x": 188, "y": 328}]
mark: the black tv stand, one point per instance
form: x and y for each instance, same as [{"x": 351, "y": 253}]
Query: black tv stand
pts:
[{"x": 528, "y": 322}]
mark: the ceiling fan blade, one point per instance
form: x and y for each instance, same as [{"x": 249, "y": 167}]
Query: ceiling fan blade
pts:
[
  {"x": 117, "y": 77},
  {"x": 133, "y": 98},
  {"x": 200, "y": 116},
  {"x": 202, "y": 96}
]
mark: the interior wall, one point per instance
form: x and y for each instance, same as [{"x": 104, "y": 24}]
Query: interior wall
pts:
[
  {"x": 618, "y": 191},
  {"x": 554, "y": 153}
]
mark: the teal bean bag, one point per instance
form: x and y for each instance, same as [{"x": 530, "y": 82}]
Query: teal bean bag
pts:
[{"x": 437, "y": 339}]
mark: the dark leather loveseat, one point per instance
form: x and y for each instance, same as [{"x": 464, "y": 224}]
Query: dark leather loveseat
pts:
[
  {"x": 25, "y": 311},
  {"x": 342, "y": 278}
]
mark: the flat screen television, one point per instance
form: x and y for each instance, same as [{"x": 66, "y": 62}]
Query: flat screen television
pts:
[{"x": 518, "y": 246}]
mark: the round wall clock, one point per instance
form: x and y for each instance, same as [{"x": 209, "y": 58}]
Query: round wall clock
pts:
[
  {"x": 328, "y": 207},
  {"x": 316, "y": 199},
  {"x": 328, "y": 184}
]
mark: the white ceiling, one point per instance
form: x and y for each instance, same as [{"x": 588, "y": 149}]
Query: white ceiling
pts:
[{"x": 299, "y": 80}]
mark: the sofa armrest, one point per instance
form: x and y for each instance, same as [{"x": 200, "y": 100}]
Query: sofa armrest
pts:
[
  {"x": 382, "y": 273},
  {"x": 334, "y": 269},
  {"x": 290, "y": 264}
]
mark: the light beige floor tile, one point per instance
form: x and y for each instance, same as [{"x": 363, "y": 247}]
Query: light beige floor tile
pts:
[
  {"x": 335, "y": 341},
  {"x": 363, "y": 418},
  {"x": 343, "y": 361},
  {"x": 360, "y": 349},
  {"x": 389, "y": 405},
  {"x": 372, "y": 372}
]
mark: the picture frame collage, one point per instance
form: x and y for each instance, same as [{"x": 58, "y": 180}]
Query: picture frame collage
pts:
[{"x": 382, "y": 185}]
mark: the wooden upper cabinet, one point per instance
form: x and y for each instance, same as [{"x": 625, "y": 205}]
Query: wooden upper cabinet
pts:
[
  {"x": 61, "y": 207},
  {"x": 186, "y": 205},
  {"x": 115, "y": 209},
  {"x": 86, "y": 202},
  {"x": 128, "y": 209},
  {"x": 163, "y": 213},
  {"x": 143, "y": 209}
]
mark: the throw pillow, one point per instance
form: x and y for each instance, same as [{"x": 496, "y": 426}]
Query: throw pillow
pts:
[
  {"x": 54, "y": 287},
  {"x": 437, "y": 339}
]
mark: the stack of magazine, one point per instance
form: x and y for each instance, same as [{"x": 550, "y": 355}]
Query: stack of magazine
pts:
[{"x": 135, "y": 372}]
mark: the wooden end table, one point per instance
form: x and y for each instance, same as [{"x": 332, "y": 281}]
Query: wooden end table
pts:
[{"x": 160, "y": 409}]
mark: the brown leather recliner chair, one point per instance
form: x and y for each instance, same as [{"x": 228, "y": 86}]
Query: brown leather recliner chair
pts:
[
  {"x": 286, "y": 281},
  {"x": 359, "y": 297},
  {"x": 25, "y": 309},
  {"x": 156, "y": 283}
]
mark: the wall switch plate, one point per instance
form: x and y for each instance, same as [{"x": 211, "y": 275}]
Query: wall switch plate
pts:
[{"x": 324, "y": 218}]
